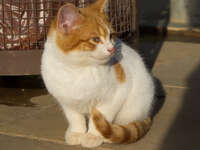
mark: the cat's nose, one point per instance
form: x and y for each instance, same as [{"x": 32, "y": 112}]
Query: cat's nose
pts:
[{"x": 111, "y": 50}]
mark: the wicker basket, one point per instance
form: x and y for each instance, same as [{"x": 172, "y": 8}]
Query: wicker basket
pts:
[{"x": 24, "y": 25}]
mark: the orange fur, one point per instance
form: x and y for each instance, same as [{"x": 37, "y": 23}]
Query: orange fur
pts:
[
  {"x": 52, "y": 27},
  {"x": 99, "y": 5},
  {"x": 120, "y": 133},
  {"x": 94, "y": 24},
  {"x": 119, "y": 72}
]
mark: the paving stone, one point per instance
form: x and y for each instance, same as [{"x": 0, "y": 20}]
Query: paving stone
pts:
[
  {"x": 49, "y": 123},
  {"x": 176, "y": 62},
  {"x": 16, "y": 143},
  {"x": 16, "y": 112},
  {"x": 175, "y": 127},
  {"x": 177, "y": 120}
]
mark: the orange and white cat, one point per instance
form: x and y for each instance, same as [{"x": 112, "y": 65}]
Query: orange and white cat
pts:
[{"x": 96, "y": 77}]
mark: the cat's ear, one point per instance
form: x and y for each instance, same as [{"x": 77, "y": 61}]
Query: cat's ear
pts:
[
  {"x": 99, "y": 5},
  {"x": 68, "y": 18}
]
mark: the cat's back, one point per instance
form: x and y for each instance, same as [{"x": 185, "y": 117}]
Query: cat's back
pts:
[
  {"x": 129, "y": 58},
  {"x": 134, "y": 68}
]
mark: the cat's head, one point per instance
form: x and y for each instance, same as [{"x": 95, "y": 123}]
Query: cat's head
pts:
[{"x": 85, "y": 33}]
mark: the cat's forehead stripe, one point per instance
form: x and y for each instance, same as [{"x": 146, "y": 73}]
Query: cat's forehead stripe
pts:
[{"x": 103, "y": 30}]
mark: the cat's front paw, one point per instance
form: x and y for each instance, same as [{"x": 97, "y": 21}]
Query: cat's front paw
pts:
[
  {"x": 90, "y": 141},
  {"x": 73, "y": 138}
]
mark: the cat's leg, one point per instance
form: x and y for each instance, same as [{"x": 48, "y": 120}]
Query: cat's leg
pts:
[
  {"x": 77, "y": 126},
  {"x": 93, "y": 138}
]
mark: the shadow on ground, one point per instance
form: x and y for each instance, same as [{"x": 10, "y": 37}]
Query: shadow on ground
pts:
[
  {"x": 150, "y": 46},
  {"x": 193, "y": 7},
  {"x": 154, "y": 13},
  {"x": 184, "y": 131},
  {"x": 18, "y": 90},
  {"x": 151, "y": 17},
  {"x": 160, "y": 96}
]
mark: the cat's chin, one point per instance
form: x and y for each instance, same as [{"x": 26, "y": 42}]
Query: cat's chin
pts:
[{"x": 101, "y": 61}]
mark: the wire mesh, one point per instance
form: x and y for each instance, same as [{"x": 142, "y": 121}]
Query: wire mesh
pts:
[{"x": 24, "y": 23}]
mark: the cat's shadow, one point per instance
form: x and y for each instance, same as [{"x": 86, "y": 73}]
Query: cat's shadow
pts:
[
  {"x": 159, "y": 98},
  {"x": 18, "y": 90}
]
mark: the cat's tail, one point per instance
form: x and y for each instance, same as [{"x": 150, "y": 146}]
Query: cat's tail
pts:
[{"x": 120, "y": 133}]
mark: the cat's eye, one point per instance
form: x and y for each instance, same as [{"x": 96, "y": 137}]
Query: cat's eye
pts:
[{"x": 96, "y": 39}]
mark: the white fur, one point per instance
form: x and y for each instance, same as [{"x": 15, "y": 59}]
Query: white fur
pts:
[{"x": 83, "y": 80}]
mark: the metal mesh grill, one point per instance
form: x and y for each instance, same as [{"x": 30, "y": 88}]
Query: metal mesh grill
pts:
[{"x": 24, "y": 23}]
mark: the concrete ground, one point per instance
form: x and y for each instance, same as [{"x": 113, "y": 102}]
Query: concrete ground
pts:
[{"x": 30, "y": 119}]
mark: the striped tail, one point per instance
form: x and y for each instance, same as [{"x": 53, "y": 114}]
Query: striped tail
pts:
[{"x": 114, "y": 133}]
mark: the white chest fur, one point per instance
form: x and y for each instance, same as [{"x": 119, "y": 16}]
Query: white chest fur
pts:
[{"x": 76, "y": 86}]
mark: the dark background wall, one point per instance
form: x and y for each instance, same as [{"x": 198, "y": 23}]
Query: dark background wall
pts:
[{"x": 175, "y": 13}]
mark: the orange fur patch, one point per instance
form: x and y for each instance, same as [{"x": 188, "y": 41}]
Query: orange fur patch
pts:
[
  {"x": 52, "y": 27},
  {"x": 119, "y": 72},
  {"x": 120, "y": 133},
  {"x": 94, "y": 24}
]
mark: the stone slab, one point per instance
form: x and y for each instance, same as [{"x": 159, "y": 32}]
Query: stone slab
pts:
[
  {"x": 178, "y": 63},
  {"x": 16, "y": 143},
  {"x": 24, "y": 106},
  {"x": 176, "y": 120}
]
